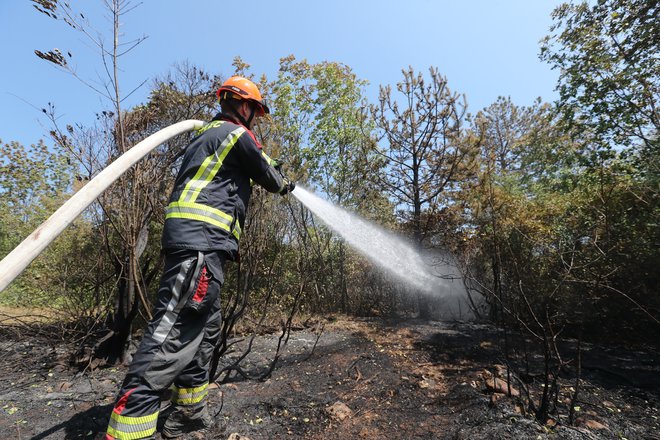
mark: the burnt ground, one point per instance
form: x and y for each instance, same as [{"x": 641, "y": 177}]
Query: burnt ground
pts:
[{"x": 362, "y": 378}]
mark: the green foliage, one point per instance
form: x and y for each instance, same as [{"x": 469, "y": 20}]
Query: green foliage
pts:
[
  {"x": 562, "y": 240},
  {"x": 318, "y": 128},
  {"x": 609, "y": 85},
  {"x": 607, "y": 55},
  {"x": 321, "y": 129},
  {"x": 556, "y": 231},
  {"x": 34, "y": 181},
  {"x": 28, "y": 174}
]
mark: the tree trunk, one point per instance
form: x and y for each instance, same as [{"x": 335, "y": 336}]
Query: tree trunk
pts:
[
  {"x": 114, "y": 345},
  {"x": 423, "y": 301},
  {"x": 342, "y": 278}
]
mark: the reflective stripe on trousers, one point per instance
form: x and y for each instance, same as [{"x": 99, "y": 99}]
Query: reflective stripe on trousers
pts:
[
  {"x": 132, "y": 428},
  {"x": 177, "y": 345},
  {"x": 189, "y": 396}
]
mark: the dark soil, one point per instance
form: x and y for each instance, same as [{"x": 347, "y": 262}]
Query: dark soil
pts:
[{"x": 404, "y": 379}]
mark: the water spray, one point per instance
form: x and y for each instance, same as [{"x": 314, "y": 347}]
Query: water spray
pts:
[
  {"x": 381, "y": 247},
  {"x": 18, "y": 259}
]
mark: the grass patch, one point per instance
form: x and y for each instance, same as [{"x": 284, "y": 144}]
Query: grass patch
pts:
[{"x": 10, "y": 315}]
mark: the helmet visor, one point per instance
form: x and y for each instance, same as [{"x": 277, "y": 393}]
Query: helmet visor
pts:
[{"x": 262, "y": 108}]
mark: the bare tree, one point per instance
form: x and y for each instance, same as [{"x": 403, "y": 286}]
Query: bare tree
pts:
[{"x": 126, "y": 212}]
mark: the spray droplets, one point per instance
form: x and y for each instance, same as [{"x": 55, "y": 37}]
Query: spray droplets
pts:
[{"x": 382, "y": 248}]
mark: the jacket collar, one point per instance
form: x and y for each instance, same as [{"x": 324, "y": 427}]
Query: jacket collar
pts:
[{"x": 231, "y": 118}]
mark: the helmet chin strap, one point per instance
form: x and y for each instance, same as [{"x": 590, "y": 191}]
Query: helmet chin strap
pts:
[
  {"x": 242, "y": 120},
  {"x": 250, "y": 118}
]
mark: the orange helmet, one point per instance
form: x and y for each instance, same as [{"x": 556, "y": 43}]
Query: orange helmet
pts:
[{"x": 242, "y": 88}]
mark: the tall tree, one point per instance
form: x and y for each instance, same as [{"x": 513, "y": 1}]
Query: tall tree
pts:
[
  {"x": 609, "y": 84},
  {"x": 320, "y": 129},
  {"x": 319, "y": 126},
  {"x": 130, "y": 210},
  {"x": 521, "y": 152},
  {"x": 133, "y": 220},
  {"x": 420, "y": 135}
]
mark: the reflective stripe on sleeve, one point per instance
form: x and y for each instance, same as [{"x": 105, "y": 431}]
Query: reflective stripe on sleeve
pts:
[{"x": 270, "y": 160}]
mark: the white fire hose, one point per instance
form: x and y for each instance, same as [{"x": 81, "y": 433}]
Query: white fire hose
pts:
[{"x": 18, "y": 259}]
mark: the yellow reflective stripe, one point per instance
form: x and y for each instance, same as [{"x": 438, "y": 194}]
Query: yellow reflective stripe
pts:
[
  {"x": 203, "y": 213},
  {"x": 191, "y": 390},
  {"x": 119, "y": 435},
  {"x": 132, "y": 428},
  {"x": 237, "y": 230},
  {"x": 188, "y": 396},
  {"x": 210, "y": 167},
  {"x": 128, "y": 420},
  {"x": 192, "y": 207},
  {"x": 268, "y": 158},
  {"x": 198, "y": 217},
  {"x": 196, "y": 184},
  {"x": 272, "y": 162},
  {"x": 192, "y": 400}
]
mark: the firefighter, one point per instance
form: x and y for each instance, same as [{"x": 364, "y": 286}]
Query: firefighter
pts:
[{"x": 203, "y": 223}]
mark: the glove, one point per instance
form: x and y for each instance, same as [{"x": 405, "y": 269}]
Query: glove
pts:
[{"x": 288, "y": 187}]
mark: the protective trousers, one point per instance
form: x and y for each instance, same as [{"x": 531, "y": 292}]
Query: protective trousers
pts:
[{"x": 177, "y": 346}]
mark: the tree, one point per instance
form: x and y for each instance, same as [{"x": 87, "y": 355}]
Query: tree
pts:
[
  {"x": 424, "y": 152},
  {"x": 515, "y": 244},
  {"x": 607, "y": 55},
  {"x": 319, "y": 125},
  {"x": 32, "y": 180},
  {"x": 550, "y": 235},
  {"x": 132, "y": 208},
  {"x": 133, "y": 219},
  {"x": 320, "y": 129},
  {"x": 609, "y": 85}
]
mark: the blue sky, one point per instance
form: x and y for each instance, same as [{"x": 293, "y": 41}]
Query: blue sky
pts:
[{"x": 485, "y": 48}]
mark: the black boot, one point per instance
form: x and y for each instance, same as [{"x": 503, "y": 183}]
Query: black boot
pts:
[{"x": 187, "y": 418}]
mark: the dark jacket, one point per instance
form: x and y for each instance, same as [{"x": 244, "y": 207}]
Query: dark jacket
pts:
[{"x": 209, "y": 202}]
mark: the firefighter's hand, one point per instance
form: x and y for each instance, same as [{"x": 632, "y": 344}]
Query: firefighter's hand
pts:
[{"x": 288, "y": 187}]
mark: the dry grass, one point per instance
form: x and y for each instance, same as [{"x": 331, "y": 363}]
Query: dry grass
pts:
[{"x": 27, "y": 315}]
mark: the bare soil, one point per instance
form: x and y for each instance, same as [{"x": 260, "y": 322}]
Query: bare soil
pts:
[{"x": 352, "y": 378}]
